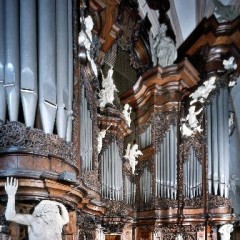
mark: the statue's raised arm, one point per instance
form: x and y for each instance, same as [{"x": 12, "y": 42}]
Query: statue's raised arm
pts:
[{"x": 11, "y": 187}]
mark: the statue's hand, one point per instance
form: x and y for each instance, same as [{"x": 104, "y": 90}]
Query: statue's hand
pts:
[{"x": 11, "y": 186}]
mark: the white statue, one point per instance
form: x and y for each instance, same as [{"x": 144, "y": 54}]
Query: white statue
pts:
[
  {"x": 179, "y": 237},
  {"x": 107, "y": 92},
  {"x": 202, "y": 93},
  {"x": 100, "y": 138},
  {"x": 192, "y": 117},
  {"x": 85, "y": 39},
  {"x": 186, "y": 131},
  {"x": 229, "y": 64},
  {"x": 131, "y": 154},
  {"x": 47, "y": 220},
  {"x": 127, "y": 109},
  {"x": 225, "y": 231},
  {"x": 233, "y": 183},
  {"x": 163, "y": 48}
]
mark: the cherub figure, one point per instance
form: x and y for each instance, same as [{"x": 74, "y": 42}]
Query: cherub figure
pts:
[
  {"x": 202, "y": 93},
  {"x": 85, "y": 40},
  {"x": 192, "y": 117},
  {"x": 100, "y": 138},
  {"x": 131, "y": 154},
  {"x": 179, "y": 237},
  {"x": 127, "y": 109},
  {"x": 107, "y": 92},
  {"x": 47, "y": 220},
  {"x": 230, "y": 64},
  {"x": 225, "y": 231}
]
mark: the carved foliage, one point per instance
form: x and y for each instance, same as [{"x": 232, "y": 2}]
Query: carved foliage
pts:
[
  {"x": 162, "y": 123},
  {"x": 14, "y": 136}
]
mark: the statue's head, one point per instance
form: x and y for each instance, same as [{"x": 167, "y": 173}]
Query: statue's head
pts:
[
  {"x": 89, "y": 23},
  {"x": 48, "y": 210}
]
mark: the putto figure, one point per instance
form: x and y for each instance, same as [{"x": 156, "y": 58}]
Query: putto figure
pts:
[
  {"x": 47, "y": 220},
  {"x": 131, "y": 154},
  {"x": 225, "y": 231},
  {"x": 85, "y": 40},
  {"x": 108, "y": 88},
  {"x": 127, "y": 109}
]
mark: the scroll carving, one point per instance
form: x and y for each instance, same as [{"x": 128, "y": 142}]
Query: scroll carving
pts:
[{"x": 15, "y": 136}]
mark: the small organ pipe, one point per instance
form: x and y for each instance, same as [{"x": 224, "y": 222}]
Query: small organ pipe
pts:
[{"x": 12, "y": 78}]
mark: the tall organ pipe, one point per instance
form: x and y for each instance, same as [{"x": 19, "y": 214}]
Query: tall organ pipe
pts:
[
  {"x": 28, "y": 49},
  {"x": 12, "y": 79},
  {"x": 62, "y": 66},
  {"x": 47, "y": 64},
  {"x": 2, "y": 62},
  {"x": 70, "y": 73},
  {"x": 209, "y": 148},
  {"x": 226, "y": 141},
  {"x": 221, "y": 165},
  {"x": 215, "y": 146}
]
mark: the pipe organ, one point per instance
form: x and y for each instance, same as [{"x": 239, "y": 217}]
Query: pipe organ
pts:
[
  {"x": 36, "y": 63},
  {"x": 166, "y": 165},
  {"x": 111, "y": 173},
  {"x": 217, "y": 115},
  {"x": 86, "y": 133}
]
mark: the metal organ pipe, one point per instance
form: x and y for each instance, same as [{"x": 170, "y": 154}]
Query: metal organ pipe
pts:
[
  {"x": 47, "y": 64},
  {"x": 226, "y": 140},
  {"x": 70, "y": 73},
  {"x": 2, "y": 62},
  {"x": 28, "y": 49},
  {"x": 12, "y": 76},
  {"x": 62, "y": 66},
  {"x": 209, "y": 149}
]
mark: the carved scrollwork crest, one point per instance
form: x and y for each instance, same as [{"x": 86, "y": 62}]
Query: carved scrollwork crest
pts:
[
  {"x": 162, "y": 123},
  {"x": 15, "y": 136}
]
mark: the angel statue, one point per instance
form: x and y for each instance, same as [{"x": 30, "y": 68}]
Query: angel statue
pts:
[
  {"x": 131, "y": 154},
  {"x": 163, "y": 48},
  {"x": 85, "y": 40},
  {"x": 100, "y": 138},
  {"x": 47, "y": 220},
  {"x": 179, "y": 237},
  {"x": 225, "y": 231},
  {"x": 108, "y": 88},
  {"x": 127, "y": 109}
]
